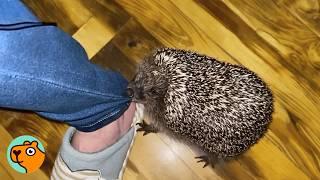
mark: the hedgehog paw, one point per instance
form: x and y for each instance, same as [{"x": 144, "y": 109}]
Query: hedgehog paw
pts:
[
  {"x": 147, "y": 128},
  {"x": 204, "y": 159}
]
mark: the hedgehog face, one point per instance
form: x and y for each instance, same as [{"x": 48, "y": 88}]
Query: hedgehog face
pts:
[
  {"x": 137, "y": 88},
  {"x": 149, "y": 83}
]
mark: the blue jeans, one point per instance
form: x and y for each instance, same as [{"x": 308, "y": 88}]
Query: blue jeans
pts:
[{"x": 44, "y": 70}]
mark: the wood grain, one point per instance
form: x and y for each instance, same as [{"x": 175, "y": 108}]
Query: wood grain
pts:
[
  {"x": 69, "y": 15},
  {"x": 277, "y": 39},
  {"x": 307, "y": 11}
]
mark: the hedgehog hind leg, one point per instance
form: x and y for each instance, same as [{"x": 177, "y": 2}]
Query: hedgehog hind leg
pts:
[
  {"x": 147, "y": 128},
  {"x": 204, "y": 159},
  {"x": 207, "y": 159}
]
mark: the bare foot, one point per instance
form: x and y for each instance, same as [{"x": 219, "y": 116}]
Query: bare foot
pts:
[{"x": 100, "y": 139}]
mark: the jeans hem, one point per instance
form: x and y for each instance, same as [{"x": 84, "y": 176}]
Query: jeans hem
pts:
[{"x": 102, "y": 122}]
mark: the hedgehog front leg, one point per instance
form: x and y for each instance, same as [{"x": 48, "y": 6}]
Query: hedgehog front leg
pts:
[{"x": 147, "y": 128}]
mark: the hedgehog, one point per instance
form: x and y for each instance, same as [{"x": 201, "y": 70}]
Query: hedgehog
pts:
[{"x": 220, "y": 108}]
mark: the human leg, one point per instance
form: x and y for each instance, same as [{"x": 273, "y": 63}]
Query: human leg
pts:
[{"x": 44, "y": 70}]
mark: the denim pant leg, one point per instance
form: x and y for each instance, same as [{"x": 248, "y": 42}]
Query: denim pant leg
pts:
[{"x": 44, "y": 70}]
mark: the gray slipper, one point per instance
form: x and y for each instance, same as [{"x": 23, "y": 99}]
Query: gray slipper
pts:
[{"x": 107, "y": 164}]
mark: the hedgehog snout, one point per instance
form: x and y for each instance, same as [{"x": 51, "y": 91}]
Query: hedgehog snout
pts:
[
  {"x": 135, "y": 92},
  {"x": 138, "y": 94},
  {"x": 130, "y": 92}
]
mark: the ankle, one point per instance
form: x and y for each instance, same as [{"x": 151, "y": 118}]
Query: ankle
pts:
[{"x": 90, "y": 142}]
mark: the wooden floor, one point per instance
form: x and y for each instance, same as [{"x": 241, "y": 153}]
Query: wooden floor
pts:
[{"x": 277, "y": 39}]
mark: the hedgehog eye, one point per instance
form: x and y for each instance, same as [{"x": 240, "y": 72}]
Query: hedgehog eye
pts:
[
  {"x": 153, "y": 90},
  {"x": 30, "y": 151}
]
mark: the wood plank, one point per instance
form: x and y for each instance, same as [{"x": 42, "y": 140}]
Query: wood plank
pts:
[
  {"x": 112, "y": 58},
  {"x": 188, "y": 156},
  {"x": 86, "y": 36},
  {"x": 135, "y": 42},
  {"x": 132, "y": 173},
  {"x": 69, "y": 15},
  {"x": 107, "y": 12},
  {"x": 128, "y": 47},
  {"x": 106, "y": 20},
  {"x": 155, "y": 160},
  {"x": 172, "y": 29},
  {"x": 307, "y": 11},
  {"x": 296, "y": 44}
]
